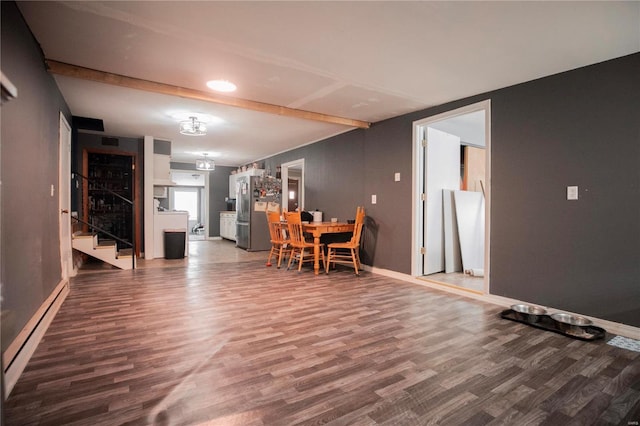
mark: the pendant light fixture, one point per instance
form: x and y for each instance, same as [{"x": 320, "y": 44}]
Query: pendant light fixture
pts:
[
  {"x": 193, "y": 127},
  {"x": 205, "y": 163}
]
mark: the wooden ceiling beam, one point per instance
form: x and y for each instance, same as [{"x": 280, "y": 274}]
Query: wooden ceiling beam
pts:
[{"x": 69, "y": 70}]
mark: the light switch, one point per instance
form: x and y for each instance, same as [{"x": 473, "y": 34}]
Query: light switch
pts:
[
  {"x": 373, "y": 199},
  {"x": 397, "y": 177},
  {"x": 53, "y": 190},
  {"x": 572, "y": 192}
]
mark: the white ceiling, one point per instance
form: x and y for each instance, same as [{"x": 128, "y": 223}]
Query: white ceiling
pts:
[{"x": 360, "y": 60}]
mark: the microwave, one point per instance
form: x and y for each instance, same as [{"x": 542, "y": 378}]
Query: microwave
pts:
[{"x": 159, "y": 192}]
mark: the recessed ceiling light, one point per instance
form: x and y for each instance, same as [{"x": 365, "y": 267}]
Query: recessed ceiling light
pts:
[{"x": 221, "y": 86}]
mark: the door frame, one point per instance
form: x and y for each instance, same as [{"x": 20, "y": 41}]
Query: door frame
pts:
[
  {"x": 418, "y": 188},
  {"x": 64, "y": 199},
  {"x": 136, "y": 188}
]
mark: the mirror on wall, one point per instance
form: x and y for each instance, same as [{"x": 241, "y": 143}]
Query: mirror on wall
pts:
[{"x": 293, "y": 185}]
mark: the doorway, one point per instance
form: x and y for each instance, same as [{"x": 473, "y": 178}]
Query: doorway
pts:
[
  {"x": 292, "y": 192},
  {"x": 293, "y": 170},
  {"x": 190, "y": 194},
  {"x": 451, "y": 207},
  {"x": 112, "y": 178}
]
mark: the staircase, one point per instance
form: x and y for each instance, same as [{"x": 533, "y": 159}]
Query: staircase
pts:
[{"x": 105, "y": 250}]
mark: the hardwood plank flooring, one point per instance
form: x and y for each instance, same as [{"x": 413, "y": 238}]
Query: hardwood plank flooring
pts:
[
  {"x": 457, "y": 279},
  {"x": 220, "y": 339}
]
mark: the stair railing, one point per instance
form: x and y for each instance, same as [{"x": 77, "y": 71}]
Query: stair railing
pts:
[{"x": 94, "y": 227}]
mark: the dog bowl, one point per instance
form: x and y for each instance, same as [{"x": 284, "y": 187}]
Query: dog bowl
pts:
[
  {"x": 528, "y": 313},
  {"x": 571, "y": 323}
]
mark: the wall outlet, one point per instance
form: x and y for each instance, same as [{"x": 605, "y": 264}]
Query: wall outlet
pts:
[
  {"x": 572, "y": 192},
  {"x": 374, "y": 199},
  {"x": 53, "y": 190},
  {"x": 397, "y": 177}
]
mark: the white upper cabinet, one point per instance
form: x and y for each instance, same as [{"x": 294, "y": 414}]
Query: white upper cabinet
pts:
[{"x": 162, "y": 170}]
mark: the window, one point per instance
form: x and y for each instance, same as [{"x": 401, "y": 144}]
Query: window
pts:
[{"x": 186, "y": 199}]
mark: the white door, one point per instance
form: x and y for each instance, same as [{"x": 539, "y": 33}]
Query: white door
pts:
[
  {"x": 442, "y": 171},
  {"x": 64, "y": 198}
]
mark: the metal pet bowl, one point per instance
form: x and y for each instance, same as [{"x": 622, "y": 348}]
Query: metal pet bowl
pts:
[
  {"x": 568, "y": 322},
  {"x": 528, "y": 313}
]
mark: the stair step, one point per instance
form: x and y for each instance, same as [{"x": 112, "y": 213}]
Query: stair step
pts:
[
  {"x": 83, "y": 235},
  {"x": 106, "y": 244},
  {"x": 125, "y": 253},
  {"x": 106, "y": 251}
]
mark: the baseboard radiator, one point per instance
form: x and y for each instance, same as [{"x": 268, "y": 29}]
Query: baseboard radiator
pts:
[{"x": 21, "y": 349}]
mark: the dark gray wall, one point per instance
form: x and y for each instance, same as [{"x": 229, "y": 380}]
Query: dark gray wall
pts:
[
  {"x": 580, "y": 128},
  {"x": 334, "y": 174},
  {"x": 29, "y": 166},
  {"x": 388, "y": 147},
  {"x": 576, "y": 128}
]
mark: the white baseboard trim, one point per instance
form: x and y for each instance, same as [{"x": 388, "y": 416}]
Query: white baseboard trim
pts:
[
  {"x": 611, "y": 327},
  {"x": 19, "y": 352}
]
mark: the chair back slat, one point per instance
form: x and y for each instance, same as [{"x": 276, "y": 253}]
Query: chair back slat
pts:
[
  {"x": 294, "y": 225},
  {"x": 357, "y": 230},
  {"x": 348, "y": 253},
  {"x": 275, "y": 227}
]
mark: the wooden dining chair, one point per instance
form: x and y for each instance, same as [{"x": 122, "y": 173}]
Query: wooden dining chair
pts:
[
  {"x": 280, "y": 244},
  {"x": 301, "y": 249},
  {"x": 347, "y": 253}
]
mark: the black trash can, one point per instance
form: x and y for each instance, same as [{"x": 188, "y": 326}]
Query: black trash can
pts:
[{"x": 174, "y": 241}]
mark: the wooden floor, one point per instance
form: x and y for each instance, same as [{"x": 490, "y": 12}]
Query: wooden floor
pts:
[
  {"x": 459, "y": 280},
  {"x": 220, "y": 339}
]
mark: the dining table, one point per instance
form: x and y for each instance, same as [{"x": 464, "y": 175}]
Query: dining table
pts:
[{"x": 316, "y": 229}]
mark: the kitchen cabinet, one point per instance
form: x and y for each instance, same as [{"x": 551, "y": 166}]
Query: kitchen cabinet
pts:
[
  {"x": 162, "y": 170},
  {"x": 228, "y": 225}
]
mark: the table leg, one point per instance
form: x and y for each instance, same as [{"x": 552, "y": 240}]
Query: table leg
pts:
[{"x": 316, "y": 254}]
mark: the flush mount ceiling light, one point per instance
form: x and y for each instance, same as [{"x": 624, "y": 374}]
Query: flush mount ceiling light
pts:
[
  {"x": 221, "y": 86},
  {"x": 205, "y": 164},
  {"x": 193, "y": 127}
]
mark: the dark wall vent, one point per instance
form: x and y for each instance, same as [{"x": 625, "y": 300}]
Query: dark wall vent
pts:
[
  {"x": 110, "y": 141},
  {"x": 161, "y": 147},
  {"x": 84, "y": 123}
]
